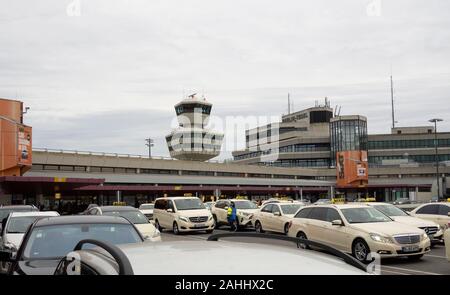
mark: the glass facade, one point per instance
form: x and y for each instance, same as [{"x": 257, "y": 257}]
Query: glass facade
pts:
[
  {"x": 348, "y": 135},
  {"x": 293, "y": 148},
  {"x": 407, "y": 144}
]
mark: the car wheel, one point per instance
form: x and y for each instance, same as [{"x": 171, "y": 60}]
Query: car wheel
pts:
[
  {"x": 176, "y": 230},
  {"x": 360, "y": 250},
  {"x": 158, "y": 226},
  {"x": 286, "y": 229},
  {"x": 415, "y": 257},
  {"x": 302, "y": 236},
  {"x": 258, "y": 227}
]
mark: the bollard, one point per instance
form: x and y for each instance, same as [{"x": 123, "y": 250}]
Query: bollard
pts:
[{"x": 447, "y": 243}]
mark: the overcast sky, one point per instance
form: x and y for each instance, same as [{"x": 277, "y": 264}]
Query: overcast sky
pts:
[{"x": 102, "y": 75}]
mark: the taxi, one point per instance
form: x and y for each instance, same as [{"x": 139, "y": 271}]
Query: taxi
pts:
[{"x": 360, "y": 230}]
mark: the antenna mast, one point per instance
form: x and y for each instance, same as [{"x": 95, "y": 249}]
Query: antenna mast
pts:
[
  {"x": 289, "y": 104},
  {"x": 392, "y": 102}
]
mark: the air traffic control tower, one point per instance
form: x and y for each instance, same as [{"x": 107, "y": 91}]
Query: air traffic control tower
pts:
[{"x": 191, "y": 140}]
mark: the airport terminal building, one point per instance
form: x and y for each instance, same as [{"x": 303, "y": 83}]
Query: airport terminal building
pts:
[{"x": 300, "y": 164}]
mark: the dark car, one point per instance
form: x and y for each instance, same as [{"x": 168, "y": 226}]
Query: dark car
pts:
[
  {"x": 5, "y": 210},
  {"x": 50, "y": 239}
]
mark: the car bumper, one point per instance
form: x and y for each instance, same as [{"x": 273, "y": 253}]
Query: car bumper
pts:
[
  {"x": 192, "y": 226},
  {"x": 396, "y": 250},
  {"x": 244, "y": 221}
]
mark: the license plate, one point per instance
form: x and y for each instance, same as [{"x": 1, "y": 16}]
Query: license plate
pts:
[
  {"x": 410, "y": 249},
  {"x": 199, "y": 225}
]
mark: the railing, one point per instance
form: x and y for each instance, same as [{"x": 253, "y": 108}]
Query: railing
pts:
[{"x": 103, "y": 154}]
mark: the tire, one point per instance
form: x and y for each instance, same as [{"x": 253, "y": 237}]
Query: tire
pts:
[
  {"x": 158, "y": 226},
  {"x": 286, "y": 229},
  {"x": 258, "y": 227},
  {"x": 210, "y": 231},
  {"x": 176, "y": 230},
  {"x": 303, "y": 236},
  {"x": 415, "y": 257},
  {"x": 360, "y": 250}
]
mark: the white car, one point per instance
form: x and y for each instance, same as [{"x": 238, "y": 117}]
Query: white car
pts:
[
  {"x": 359, "y": 230},
  {"x": 15, "y": 227},
  {"x": 275, "y": 217},
  {"x": 222, "y": 258},
  {"x": 437, "y": 212},
  {"x": 244, "y": 212},
  {"x": 147, "y": 210},
  {"x": 433, "y": 230},
  {"x": 182, "y": 214}
]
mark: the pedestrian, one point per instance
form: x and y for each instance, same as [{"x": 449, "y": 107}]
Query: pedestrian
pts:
[{"x": 232, "y": 218}]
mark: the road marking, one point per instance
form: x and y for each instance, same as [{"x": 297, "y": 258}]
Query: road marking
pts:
[
  {"x": 396, "y": 272},
  {"x": 436, "y": 256},
  {"x": 410, "y": 270}
]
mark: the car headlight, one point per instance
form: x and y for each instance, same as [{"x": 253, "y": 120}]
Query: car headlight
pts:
[
  {"x": 10, "y": 246},
  {"x": 182, "y": 218},
  {"x": 424, "y": 236},
  {"x": 210, "y": 218},
  {"x": 380, "y": 239},
  {"x": 244, "y": 214}
]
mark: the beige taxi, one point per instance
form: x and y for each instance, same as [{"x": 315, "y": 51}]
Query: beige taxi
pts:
[
  {"x": 359, "y": 230},
  {"x": 275, "y": 217},
  {"x": 433, "y": 230},
  {"x": 436, "y": 212}
]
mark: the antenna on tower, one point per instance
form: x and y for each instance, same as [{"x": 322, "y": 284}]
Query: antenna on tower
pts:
[
  {"x": 289, "y": 104},
  {"x": 392, "y": 101}
]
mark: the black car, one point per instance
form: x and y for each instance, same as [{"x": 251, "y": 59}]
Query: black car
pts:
[
  {"x": 5, "y": 210},
  {"x": 50, "y": 239}
]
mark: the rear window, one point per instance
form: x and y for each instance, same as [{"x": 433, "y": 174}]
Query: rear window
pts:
[{"x": 429, "y": 209}]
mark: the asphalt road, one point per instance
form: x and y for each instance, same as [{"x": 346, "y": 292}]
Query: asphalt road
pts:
[{"x": 433, "y": 263}]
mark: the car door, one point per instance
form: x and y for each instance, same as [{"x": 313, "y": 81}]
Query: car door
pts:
[
  {"x": 222, "y": 212},
  {"x": 277, "y": 220},
  {"x": 264, "y": 216},
  {"x": 169, "y": 217},
  {"x": 429, "y": 212},
  {"x": 443, "y": 218},
  {"x": 336, "y": 236},
  {"x": 317, "y": 225}
]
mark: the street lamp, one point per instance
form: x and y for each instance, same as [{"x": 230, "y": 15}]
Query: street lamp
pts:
[
  {"x": 436, "y": 156},
  {"x": 150, "y": 144}
]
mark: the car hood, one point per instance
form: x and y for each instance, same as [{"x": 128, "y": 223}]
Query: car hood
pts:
[
  {"x": 146, "y": 211},
  {"x": 194, "y": 213},
  {"x": 164, "y": 259},
  {"x": 414, "y": 221},
  {"x": 146, "y": 229},
  {"x": 247, "y": 210},
  {"x": 15, "y": 239},
  {"x": 37, "y": 267},
  {"x": 387, "y": 228}
]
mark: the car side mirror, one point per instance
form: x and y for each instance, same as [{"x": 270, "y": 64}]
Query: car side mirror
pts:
[
  {"x": 170, "y": 210},
  {"x": 337, "y": 223},
  {"x": 277, "y": 213},
  {"x": 6, "y": 256},
  {"x": 226, "y": 207},
  {"x": 448, "y": 214}
]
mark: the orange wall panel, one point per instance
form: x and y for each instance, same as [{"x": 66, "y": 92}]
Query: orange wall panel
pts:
[
  {"x": 352, "y": 169},
  {"x": 11, "y": 109}
]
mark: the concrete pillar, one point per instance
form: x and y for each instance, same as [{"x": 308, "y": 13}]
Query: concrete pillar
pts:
[
  {"x": 118, "y": 196},
  {"x": 301, "y": 194}
]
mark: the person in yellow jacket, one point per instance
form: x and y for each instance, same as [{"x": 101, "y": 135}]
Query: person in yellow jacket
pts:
[{"x": 231, "y": 216}]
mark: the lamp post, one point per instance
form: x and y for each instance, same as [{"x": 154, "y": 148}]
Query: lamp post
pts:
[
  {"x": 150, "y": 144},
  {"x": 436, "y": 156}
]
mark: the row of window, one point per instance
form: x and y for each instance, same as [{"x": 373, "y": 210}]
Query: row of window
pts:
[
  {"x": 378, "y": 160},
  {"x": 294, "y": 148},
  {"x": 119, "y": 170},
  {"x": 301, "y": 163},
  {"x": 194, "y": 147},
  {"x": 191, "y": 108},
  {"x": 407, "y": 144}
]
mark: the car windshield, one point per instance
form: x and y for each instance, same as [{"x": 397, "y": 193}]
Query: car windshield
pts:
[
  {"x": 290, "y": 209},
  {"x": 134, "y": 216},
  {"x": 19, "y": 225},
  {"x": 364, "y": 215},
  {"x": 147, "y": 207},
  {"x": 55, "y": 241},
  {"x": 5, "y": 212},
  {"x": 189, "y": 204},
  {"x": 390, "y": 210},
  {"x": 243, "y": 205}
]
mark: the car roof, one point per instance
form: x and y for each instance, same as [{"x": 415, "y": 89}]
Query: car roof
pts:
[
  {"x": 117, "y": 208},
  {"x": 34, "y": 213},
  {"x": 342, "y": 206},
  {"x": 164, "y": 259},
  {"x": 12, "y": 207},
  {"x": 81, "y": 219},
  {"x": 175, "y": 198}
]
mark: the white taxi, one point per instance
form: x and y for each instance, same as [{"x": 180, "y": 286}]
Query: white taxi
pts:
[{"x": 275, "y": 217}]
